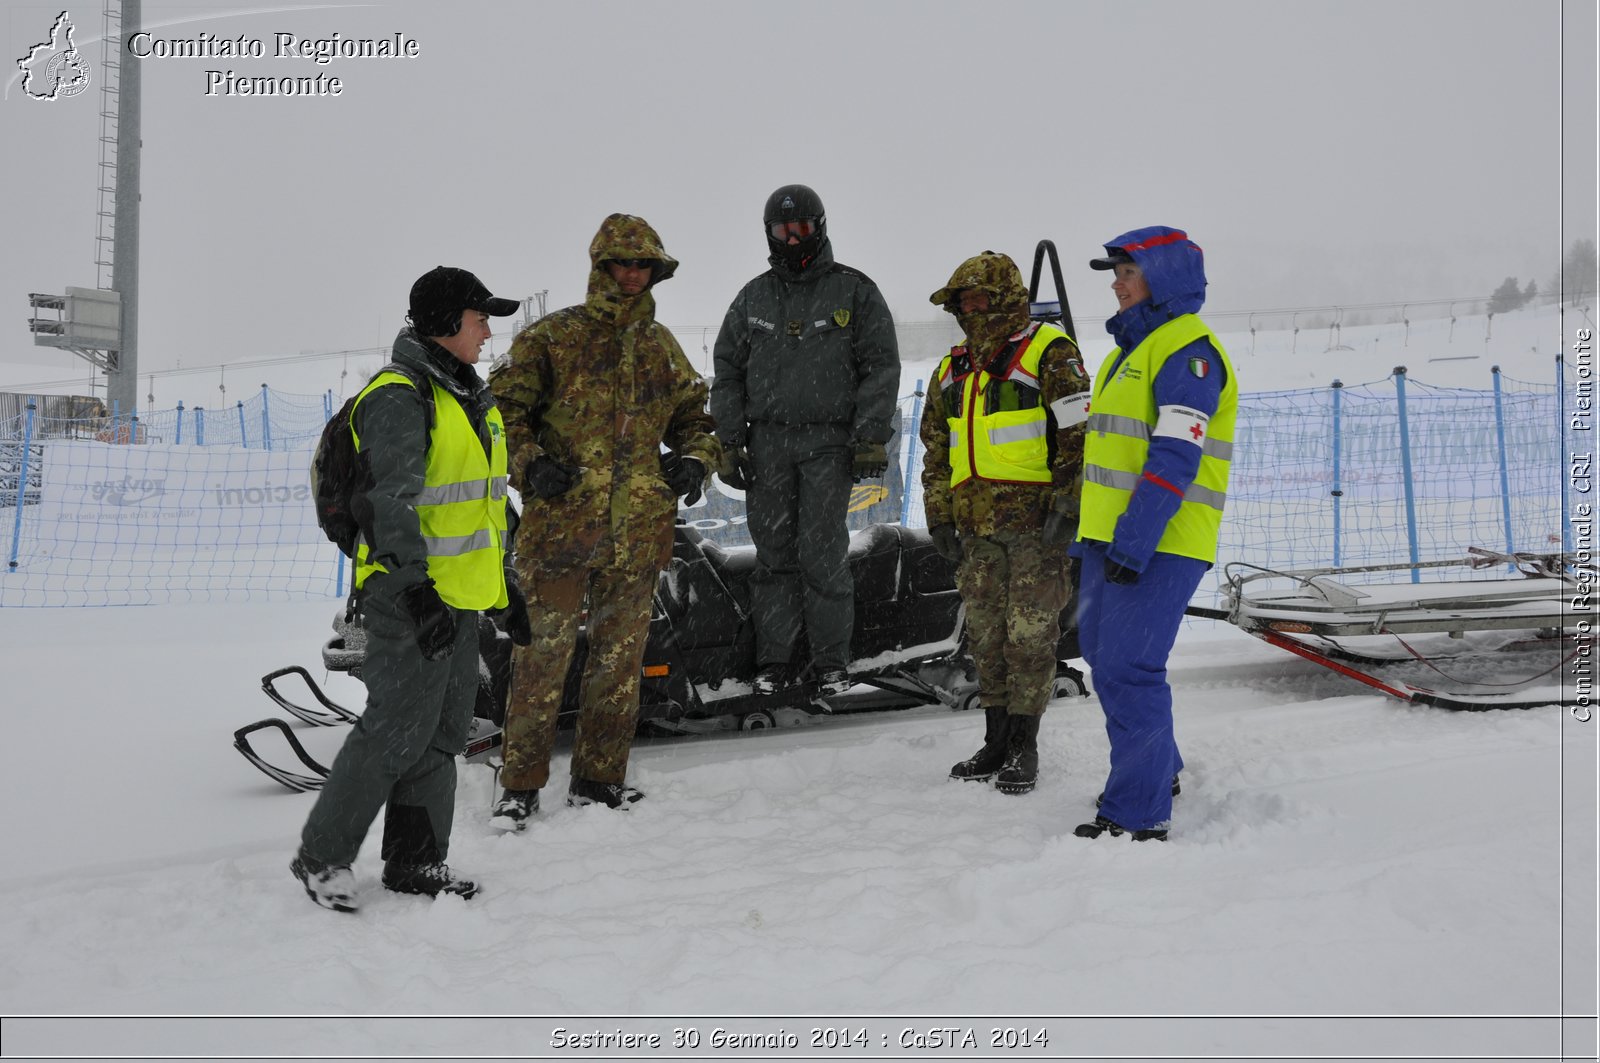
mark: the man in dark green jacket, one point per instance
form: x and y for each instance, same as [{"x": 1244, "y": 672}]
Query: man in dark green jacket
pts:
[
  {"x": 420, "y": 587},
  {"x": 807, "y": 374}
]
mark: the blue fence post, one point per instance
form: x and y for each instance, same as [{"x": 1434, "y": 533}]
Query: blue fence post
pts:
[
  {"x": 1505, "y": 471},
  {"x": 178, "y": 436},
  {"x": 244, "y": 440},
  {"x": 266, "y": 422},
  {"x": 1336, "y": 492},
  {"x": 1563, "y": 459},
  {"x": 912, "y": 434},
  {"x": 199, "y": 426},
  {"x": 1405, "y": 471},
  {"x": 22, "y": 488},
  {"x": 338, "y": 572}
]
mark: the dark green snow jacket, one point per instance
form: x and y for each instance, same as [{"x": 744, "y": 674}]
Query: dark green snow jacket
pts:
[{"x": 816, "y": 347}]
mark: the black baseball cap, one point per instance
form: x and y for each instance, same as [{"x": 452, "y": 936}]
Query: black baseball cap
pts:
[
  {"x": 1115, "y": 256},
  {"x": 440, "y": 295}
]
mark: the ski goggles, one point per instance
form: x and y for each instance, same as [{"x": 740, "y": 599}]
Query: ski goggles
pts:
[
  {"x": 799, "y": 228},
  {"x": 635, "y": 263}
]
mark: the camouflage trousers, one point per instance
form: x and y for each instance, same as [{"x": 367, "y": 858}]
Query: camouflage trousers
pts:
[
  {"x": 1014, "y": 589},
  {"x": 608, "y": 693}
]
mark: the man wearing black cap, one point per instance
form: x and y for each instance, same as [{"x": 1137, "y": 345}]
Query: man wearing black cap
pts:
[{"x": 430, "y": 444}]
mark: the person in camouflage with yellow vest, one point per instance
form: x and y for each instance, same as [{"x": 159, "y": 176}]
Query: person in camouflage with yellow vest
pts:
[
  {"x": 1004, "y": 435},
  {"x": 589, "y": 395}
]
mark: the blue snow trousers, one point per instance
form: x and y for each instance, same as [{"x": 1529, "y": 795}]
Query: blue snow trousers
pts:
[{"x": 1126, "y": 632}]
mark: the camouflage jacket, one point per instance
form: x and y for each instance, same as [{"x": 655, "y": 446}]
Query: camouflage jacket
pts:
[
  {"x": 981, "y": 507},
  {"x": 602, "y": 385},
  {"x": 816, "y": 347}
]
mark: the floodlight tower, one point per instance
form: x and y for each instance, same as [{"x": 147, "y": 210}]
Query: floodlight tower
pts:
[
  {"x": 121, "y": 105},
  {"x": 101, "y": 325}
]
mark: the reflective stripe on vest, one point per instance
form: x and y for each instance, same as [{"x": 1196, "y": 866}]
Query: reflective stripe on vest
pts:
[
  {"x": 461, "y": 509},
  {"x": 1008, "y": 445},
  {"x": 1123, "y": 418}
]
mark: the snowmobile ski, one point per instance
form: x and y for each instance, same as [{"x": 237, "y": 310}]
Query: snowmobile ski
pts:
[
  {"x": 330, "y": 715},
  {"x": 482, "y": 741},
  {"x": 292, "y": 779}
]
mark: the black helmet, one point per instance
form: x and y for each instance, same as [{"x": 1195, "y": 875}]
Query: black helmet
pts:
[{"x": 795, "y": 203}]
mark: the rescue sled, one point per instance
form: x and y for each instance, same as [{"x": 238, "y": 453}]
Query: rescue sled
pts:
[
  {"x": 1454, "y": 642},
  {"x": 908, "y": 649}
]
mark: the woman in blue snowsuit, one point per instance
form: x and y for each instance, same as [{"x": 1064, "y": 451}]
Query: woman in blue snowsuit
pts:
[{"x": 1156, "y": 460}]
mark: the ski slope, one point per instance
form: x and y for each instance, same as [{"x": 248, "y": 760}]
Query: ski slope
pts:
[{"x": 1334, "y": 854}]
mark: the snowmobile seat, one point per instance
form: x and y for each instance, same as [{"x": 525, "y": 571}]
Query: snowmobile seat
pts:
[
  {"x": 875, "y": 563},
  {"x": 705, "y": 592}
]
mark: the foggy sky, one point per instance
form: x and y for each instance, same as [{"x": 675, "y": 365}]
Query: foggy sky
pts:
[{"x": 1322, "y": 152}]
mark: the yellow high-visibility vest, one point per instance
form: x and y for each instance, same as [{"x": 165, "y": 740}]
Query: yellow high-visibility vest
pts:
[
  {"x": 1122, "y": 419},
  {"x": 462, "y": 507},
  {"x": 1009, "y": 445}
]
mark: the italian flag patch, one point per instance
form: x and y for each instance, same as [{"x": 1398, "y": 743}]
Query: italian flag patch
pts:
[{"x": 1199, "y": 367}]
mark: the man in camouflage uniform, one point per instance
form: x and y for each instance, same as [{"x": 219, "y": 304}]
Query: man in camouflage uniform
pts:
[
  {"x": 807, "y": 373},
  {"x": 589, "y": 394},
  {"x": 1004, "y": 435}
]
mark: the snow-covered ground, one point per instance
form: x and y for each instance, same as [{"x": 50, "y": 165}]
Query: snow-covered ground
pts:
[
  {"x": 1334, "y": 855},
  {"x": 1337, "y": 858}
]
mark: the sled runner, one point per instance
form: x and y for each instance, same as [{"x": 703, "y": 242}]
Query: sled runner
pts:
[
  {"x": 1498, "y": 643},
  {"x": 699, "y": 665}
]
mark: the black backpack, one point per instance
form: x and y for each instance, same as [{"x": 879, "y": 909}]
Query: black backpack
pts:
[{"x": 339, "y": 472}]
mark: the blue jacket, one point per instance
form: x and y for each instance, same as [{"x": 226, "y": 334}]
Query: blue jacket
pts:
[{"x": 1174, "y": 268}]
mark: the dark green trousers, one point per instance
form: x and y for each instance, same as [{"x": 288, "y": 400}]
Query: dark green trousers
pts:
[
  {"x": 796, "y": 510},
  {"x": 402, "y": 751}
]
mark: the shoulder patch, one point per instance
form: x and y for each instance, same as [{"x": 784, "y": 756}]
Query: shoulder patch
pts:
[
  {"x": 840, "y": 267},
  {"x": 1199, "y": 367}
]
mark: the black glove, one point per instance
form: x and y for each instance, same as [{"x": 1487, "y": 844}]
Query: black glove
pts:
[
  {"x": 946, "y": 541},
  {"x": 869, "y": 462},
  {"x": 434, "y": 620},
  {"x": 737, "y": 470},
  {"x": 1122, "y": 574},
  {"x": 1059, "y": 528},
  {"x": 518, "y": 626},
  {"x": 548, "y": 478},
  {"x": 686, "y": 476}
]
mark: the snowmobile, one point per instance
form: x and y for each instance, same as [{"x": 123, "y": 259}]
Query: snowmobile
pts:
[
  {"x": 908, "y": 649},
  {"x": 1454, "y": 642}
]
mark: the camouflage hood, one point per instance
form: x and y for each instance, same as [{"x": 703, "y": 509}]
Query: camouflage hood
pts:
[
  {"x": 998, "y": 275},
  {"x": 624, "y": 236},
  {"x": 991, "y": 272}
]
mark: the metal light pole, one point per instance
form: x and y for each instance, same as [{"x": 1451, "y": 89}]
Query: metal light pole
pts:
[{"x": 122, "y": 376}]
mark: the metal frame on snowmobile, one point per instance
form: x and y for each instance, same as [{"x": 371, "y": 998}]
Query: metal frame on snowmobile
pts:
[
  {"x": 1325, "y": 612},
  {"x": 1059, "y": 311},
  {"x": 909, "y": 649}
]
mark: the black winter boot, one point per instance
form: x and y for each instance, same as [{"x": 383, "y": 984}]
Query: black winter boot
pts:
[
  {"x": 514, "y": 809},
  {"x": 1102, "y": 825},
  {"x": 1021, "y": 769},
  {"x": 429, "y": 880},
  {"x": 412, "y": 862},
  {"x": 582, "y": 792},
  {"x": 982, "y": 765}
]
